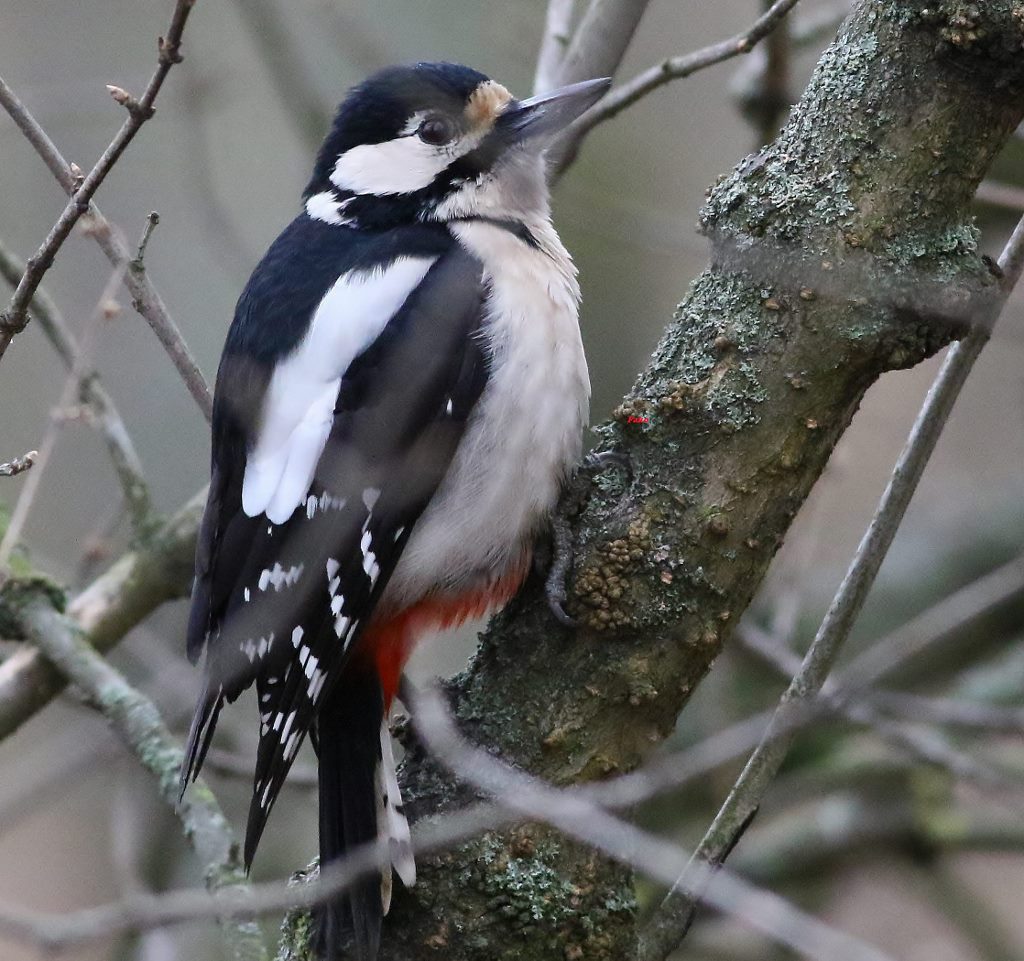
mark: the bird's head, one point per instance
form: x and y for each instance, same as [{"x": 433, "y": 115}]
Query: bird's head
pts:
[{"x": 437, "y": 142}]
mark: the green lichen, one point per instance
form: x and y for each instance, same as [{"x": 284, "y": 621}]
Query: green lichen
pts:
[
  {"x": 23, "y": 586},
  {"x": 526, "y": 889},
  {"x": 524, "y": 885}
]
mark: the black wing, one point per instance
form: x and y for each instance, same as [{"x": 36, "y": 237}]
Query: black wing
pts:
[{"x": 284, "y": 604}]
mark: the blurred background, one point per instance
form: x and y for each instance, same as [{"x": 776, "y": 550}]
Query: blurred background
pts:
[{"x": 224, "y": 163}]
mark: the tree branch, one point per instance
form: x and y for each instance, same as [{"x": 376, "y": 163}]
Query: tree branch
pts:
[
  {"x": 674, "y": 68},
  {"x": 553, "y": 45},
  {"x": 820, "y": 246},
  {"x": 655, "y": 857},
  {"x": 13, "y": 320},
  {"x": 676, "y": 911},
  {"x": 142, "y": 580},
  {"x": 73, "y": 386},
  {"x": 146, "y": 300},
  {"x": 104, "y": 413},
  {"x": 139, "y": 725}
]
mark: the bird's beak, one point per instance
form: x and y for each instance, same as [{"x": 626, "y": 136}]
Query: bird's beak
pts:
[{"x": 546, "y": 115}]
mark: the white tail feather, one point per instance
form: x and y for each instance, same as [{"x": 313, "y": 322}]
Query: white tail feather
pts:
[{"x": 391, "y": 820}]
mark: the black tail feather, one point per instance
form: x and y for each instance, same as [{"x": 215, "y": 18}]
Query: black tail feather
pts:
[
  {"x": 204, "y": 722},
  {"x": 348, "y": 739}
]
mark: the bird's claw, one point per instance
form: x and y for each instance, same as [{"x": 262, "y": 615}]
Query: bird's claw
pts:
[
  {"x": 561, "y": 533},
  {"x": 558, "y": 570},
  {"x": 595, "y": 462}
]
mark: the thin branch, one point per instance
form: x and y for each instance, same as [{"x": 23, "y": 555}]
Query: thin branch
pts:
[
  {"x": 674, "y": 68},
  {"x": 763, "y": 82},
  {"x": 234, "y": 765},
  {"x": 146, "y": 300},
  {"x": 138, "y": 261},
  {"x": 352, "y": 32},
  {"x": 198, "y": 95},
  {"x": 104, "y": 414},
  {"x": 942, "y": 625},
  {"x": 553, "y": 44},
  {"x": 19, "y": 465},
  {"x": 949, "y": 712},
  {"x": 604, "y": 34},
  {"x": 14, "y": 319},
  {"x": 71, "y": 389},
  {"x": 113, "y": 604},
  {"x": 924, "y": 744},
  {"x": 655, "y": 857},
  {"x": 137, "y": 721},
  {"x": 971, "y": 913},
  {"x": 674, "y": 915},
  {"x": 801, "y": 842},
  {"x": 820, "y": 23}
]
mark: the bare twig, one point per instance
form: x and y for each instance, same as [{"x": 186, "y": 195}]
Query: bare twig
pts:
[
  {"x": 104, "y": 413},
  {"x": 941, "y": 625},
  {"x": 233, "y": 765},
  {"x": 820, "y": 23},
  {"x": 138, "y": 261},
  {"x": 949, "y": 712},
  {"x": 13, "y": 320},
  {"x": 199, "y": 94},
  {"x": 352, "y": 32},
  {"x": 973, "y": 917},
  {"x": 604, "y": 34},
  {"x": 19, "y": 465},
  {"x": 653, "y": 856},
  {"x": 676, "y": 911},
  {"x": 145, "y": 298},
  {"x": 762, "y": 83},
  {"x": 925, "y": 745},
  {"x": 553, "y": 44},
  {"x": 802, "y": 840},
  {"x": 674, "y": 68},
  {"x": 71, "y": 389},
  {"x": 137, "y": 721}
]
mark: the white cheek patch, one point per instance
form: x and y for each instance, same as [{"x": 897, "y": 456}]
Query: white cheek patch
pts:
[{"x": 400, "y": 166}]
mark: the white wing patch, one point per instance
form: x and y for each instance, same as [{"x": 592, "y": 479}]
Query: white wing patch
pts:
[{"x": 299, "y": 406}]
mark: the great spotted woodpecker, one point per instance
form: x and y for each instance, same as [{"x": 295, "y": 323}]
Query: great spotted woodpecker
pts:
[{"x": 400, "y": 398}]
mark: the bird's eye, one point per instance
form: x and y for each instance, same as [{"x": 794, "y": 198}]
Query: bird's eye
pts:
[{"x": 436, "y": 131}]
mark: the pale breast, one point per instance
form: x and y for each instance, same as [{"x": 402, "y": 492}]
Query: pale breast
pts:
[{"x": 525, "y": 433}]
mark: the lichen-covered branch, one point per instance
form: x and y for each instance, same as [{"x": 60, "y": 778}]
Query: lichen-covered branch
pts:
[
  {"x": 139, "y": 725},
  {"x": 112, "y": 605},
  {"x": 810, "y": 679},
  {"x": 820, "y": 245}
]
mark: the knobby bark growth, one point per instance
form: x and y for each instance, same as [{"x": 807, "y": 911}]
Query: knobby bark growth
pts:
[{"x": 843, "y": 250}]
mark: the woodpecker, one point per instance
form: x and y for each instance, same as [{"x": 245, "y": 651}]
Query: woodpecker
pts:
[{"x": 400, "y": 399}]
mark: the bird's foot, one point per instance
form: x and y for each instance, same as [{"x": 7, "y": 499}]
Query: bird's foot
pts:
[{"x": 562, "y": 543}]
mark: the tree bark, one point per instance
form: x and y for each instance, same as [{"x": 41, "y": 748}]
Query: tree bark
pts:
[{"x": 843, "y": 250}]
